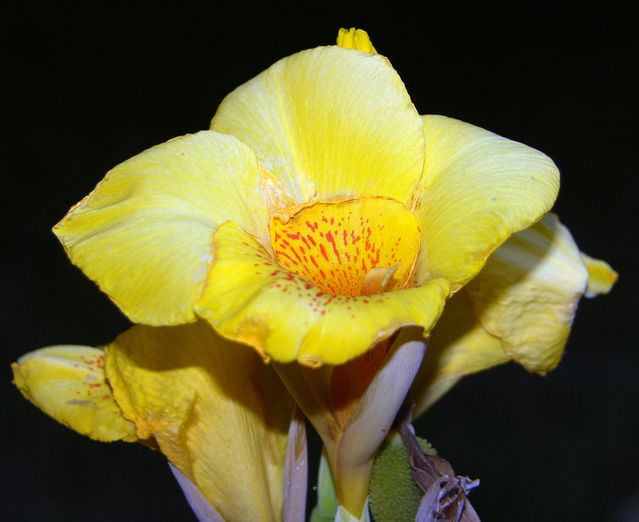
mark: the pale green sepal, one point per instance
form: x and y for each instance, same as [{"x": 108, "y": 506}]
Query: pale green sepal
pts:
[
  {"x": 393, "y": 495},
  {"x": 343, "y": 515},
  {"x": 326, "y": 507}
]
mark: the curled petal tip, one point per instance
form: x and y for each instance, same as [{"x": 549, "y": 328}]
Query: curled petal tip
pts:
[
  {"x": 357, "y": 39},
  {"x": 601, "y": 276}
]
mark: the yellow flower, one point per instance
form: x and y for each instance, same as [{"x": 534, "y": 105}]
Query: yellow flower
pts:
[
  {"x": 323, "y": 222},
  {"x": 222, "y": 418},
  {"x": 318, "y": 216}
]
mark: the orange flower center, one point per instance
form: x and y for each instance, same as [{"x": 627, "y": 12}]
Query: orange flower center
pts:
[{"x": 355, "y": 247}]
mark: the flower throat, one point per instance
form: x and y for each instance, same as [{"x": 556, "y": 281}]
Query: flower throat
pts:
[{"x": 354, "y": 247}]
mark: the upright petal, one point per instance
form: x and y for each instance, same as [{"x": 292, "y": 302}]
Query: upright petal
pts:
[
  {"x": 330, "y": 122},
  {"x": 68, "y": 384},
  {"x": 144, "y": 234},
  {"x": 216, "y": 411},
  {"x": 478, "y": 189}
]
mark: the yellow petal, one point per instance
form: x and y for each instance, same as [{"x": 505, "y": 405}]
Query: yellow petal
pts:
[
  {"x": 520, "y": 307},
  {"x": 216, "y": 411},
  {"x": 458, "y": 346},
  {"x": 144, "y": 234},
  {"x": 528, "y": 292},
  {"x": 601, "y": 276},
  {"x": 357, "y": 39},
  {"x": 252, "y": 300},
  {"x": 330, "y": 122},
  {"x": 68, "y": 384},
  {"x": 478, "y": 188}
]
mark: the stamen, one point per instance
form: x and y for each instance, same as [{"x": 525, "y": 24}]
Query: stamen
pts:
[{"x": 377, "y": 280}]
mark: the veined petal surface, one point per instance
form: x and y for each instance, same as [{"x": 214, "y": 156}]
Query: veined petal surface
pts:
[
  {"x": 478, "y": 188},
  {"x": 250, "y": 299},
  {"x": 144, "y": 234},
  {"x": 330, "y": 122},
  {"x": 216, "y": 411},
  {"x": 527, "y": 293},
  {"x": 68, "y": 383}
]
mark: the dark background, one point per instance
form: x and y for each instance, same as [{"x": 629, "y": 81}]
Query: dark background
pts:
[{"x": 88, "y": 89}]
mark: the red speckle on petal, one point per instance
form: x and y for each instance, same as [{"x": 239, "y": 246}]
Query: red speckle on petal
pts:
[{"x": 323, "y": 252}]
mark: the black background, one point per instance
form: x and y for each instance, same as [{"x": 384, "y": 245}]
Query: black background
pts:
[{"x": 89, "y": 88}]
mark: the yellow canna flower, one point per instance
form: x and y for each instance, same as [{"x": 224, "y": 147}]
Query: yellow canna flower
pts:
[
  {"x": 318, "y": 216},
  {"x": 325, "y": 223},
  {"x": 221, "y": 417}
]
